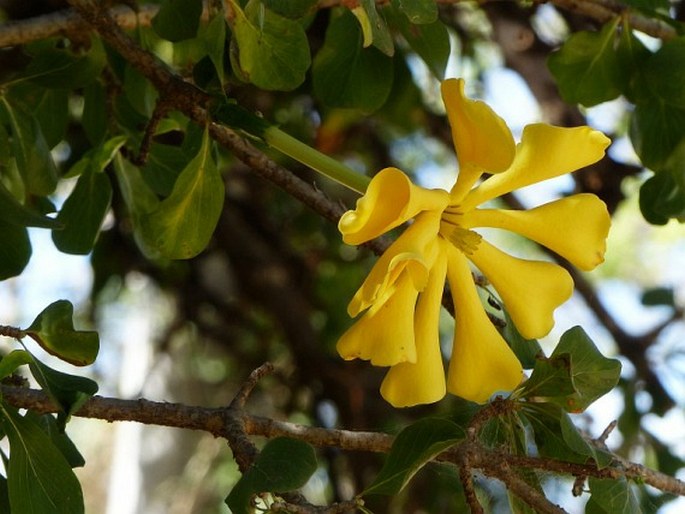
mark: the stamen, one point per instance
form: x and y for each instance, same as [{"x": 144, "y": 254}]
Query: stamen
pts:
[{"x": 465, "y": 240}]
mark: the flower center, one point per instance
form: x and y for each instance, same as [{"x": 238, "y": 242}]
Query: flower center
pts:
[{"x": 465, "y": 240}]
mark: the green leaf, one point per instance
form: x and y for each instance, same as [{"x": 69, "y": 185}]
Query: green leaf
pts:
[
  {"x": 139, "y": 92},
  {"x": 374, "y": 29},
  {"x": 430, "y": 41},
  {"x": 528, "y": 351},
  {"x": 413, "y": 448},
  {"x": 83, "y": 212},
  {"x": 294, "y": 9},
  {"x": 268, "y": 50},
  {"x": 30, "y": 150},
  {"x": 611, "y": 496},
  {"x": 177, "y": 20},
  {"x": 557, "y": 437},
  {"x": 53, "y": 329},
  {"x": 70, "y": 392},
  {"x": 658, "y": 296},
  {"x": 11, "y": 211},
  {"x": 418, "y": 11},
  {"x": 94, "y": 119},
  {"x": 57, "y": 68},
  {"x": 632, "y": 55},
  {"x": 59, "y": 438},
  {"x": 656, "y": 131},
  {"x": 586, "y": 67},
  {"x": 347, "y": 75},
  {"x": 575, "y": 375},
  {"x": 665, "y": 72},
  {"x": 15, "y": 251},
  {"x": 662, "y": 198},
  {"x": 10, "y": 362},
  {"x": 39, "y": 478},
  {"x": 283, "y": 465},
  {"x": 4, "y": 495},
  {"x": 49, "y": 106},
  {"x": 183, "y": 223},
  {"x": 214, "y": 37},
  {"x": 140, "y": 201}
]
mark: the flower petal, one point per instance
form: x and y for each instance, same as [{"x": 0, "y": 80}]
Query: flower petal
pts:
[
  {"x": 407, "y": 384},
  {"x": 385, "y": 335},
  {"x": 407, "y": 252},
  {"x": 481, "y": 138},
  {"x": 575, "y": 227},
  {"x": 544, "y": 152},
  {"x": 482, "y": 363},
  {"x": 390, "y": 200},
  {"x": 530, "y": 290}
]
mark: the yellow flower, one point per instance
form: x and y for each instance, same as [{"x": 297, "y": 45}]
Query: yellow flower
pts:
[{"x": 402, "y": 294}]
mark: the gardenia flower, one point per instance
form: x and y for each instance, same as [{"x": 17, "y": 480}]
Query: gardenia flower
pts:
[{"x": 402, "y": 294}]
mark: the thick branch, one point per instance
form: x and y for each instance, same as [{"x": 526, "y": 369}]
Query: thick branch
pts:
[{"x": 213, "y": 420}]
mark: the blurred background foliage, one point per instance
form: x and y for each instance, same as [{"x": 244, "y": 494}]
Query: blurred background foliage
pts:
[{"x": 359, "y": 82}]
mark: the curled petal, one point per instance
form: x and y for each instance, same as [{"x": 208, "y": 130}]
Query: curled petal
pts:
[
  {"x": 530, "y": 290},
  {"x": 482, "y": 363},
  {"x": 575, "y": 227},
  {"x": 407, "y": 384},
  {"x": 407, "y": 252},
  {"x": 544, "y": 152},
  {"x": 481, "y": 138},
  {"x": 390, "y": 200},
  {"x": 384, "y": 335}
]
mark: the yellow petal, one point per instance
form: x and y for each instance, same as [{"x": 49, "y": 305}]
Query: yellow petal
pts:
[
  {"x": 481, "y": 138},
  {"x": 530, "y": 290},
  {"x": 385, "y": 335},
  {"x": 575, "y": 227},
  {"x": 390, "y": 200},
  {"x": 409, "y": 384},
  {"x": 482, "y": 363},
  {"x": 407, "y": 252},
  {"x": 544, "y": 152}
]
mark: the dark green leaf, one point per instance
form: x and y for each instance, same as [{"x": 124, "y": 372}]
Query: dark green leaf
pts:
[
  {"x": 656, "y": 130},
  {"x": 177, "y": 20},
  {"x": 140, "y": 201},
  {"x": 4, "y": 496},
  {"x": 413, "y": 448},
  {"x": 658, "y": 296},
  {"x": 557, "y": 437},
  {"x": 611, "y": 496},
  {"x": 283, "y": 465},
  {"x": 294, "y": 9},
  {"x": 586, "y": 67},
  {"x": 10, "y": 362},
  {"x": 70, "y": 392},
  {"x": 15, "y": 251},
  {"x": 272, "y": 51},
  {"x": 632, "y": 55},
  {"x": 347, "y": 75},
  {"x": 39, "y": 478},
  {"x": 49, "y": 106},
  {"x": 54, "y": 330},
  {"x": 59, "y": 438},
  {"x": 94, "y": 119},
  {"x": 661, "y": 198},
  {"x": 528, "y": 351},
  {"x": 139, "y": 92},
  {"x": 183, "y": 223},
  {"x": 374, "y": 29},
  {"x": 61, "y": 69},
  {"x": 418, "y": 11},
  {"x": 430, "y": 41},
  {"x": 11, "y": 211},
  {"x": 575, "y": 375},
  {"x": 30, "y": 151},
  {"x": 214, "y": 37},
  {"x": 83, "y": 212},
  {"x": 665, "y": 72}
]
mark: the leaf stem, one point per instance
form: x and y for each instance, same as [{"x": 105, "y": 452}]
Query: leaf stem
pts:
[{"x": 316, "y": 160}]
